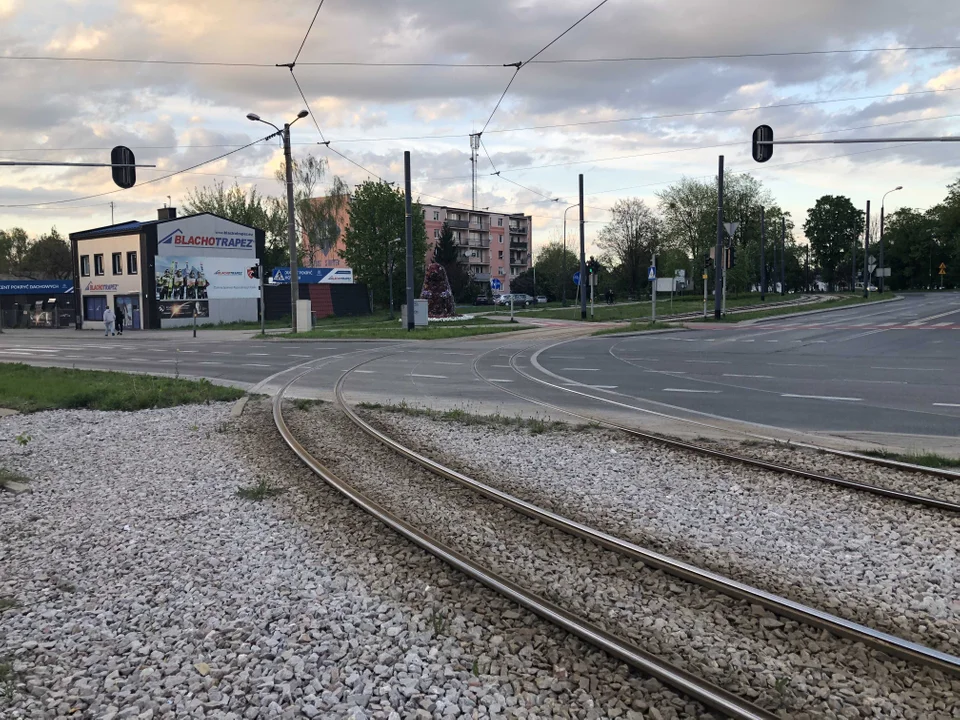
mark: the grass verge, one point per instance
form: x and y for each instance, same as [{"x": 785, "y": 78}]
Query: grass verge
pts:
[
  {"x": 439, "y": 331},
  {"x": 31, "y": 389},
  {"x": 634, "y": 327},
  {"x": 790, "y": 310},
  {"x": 536, "y": 426},
  {"x": 238, "y": 325},
  {"x": 927, "y": 459}
]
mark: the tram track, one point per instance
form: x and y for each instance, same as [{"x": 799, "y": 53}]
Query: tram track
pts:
[{"x": 714, "y": 697}]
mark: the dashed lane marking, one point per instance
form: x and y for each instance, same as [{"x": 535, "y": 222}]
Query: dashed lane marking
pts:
[
  {"x": 687, "y": 390},
  {"x": 822, "y": 397}
]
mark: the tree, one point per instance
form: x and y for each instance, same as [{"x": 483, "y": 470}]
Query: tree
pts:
[
  {"x": 377, "y": 217},
  {"x": 551, "y": 277},
  {"x": 316, "y": 216},
  {"x": 631, "y": 237},
  {"x": 834, "y": 227},
  {"x": 446, "y": 253},
  {"x": 909, "y": 240},
  {"x": 13, "y": 246},
  {"x": 247, "y": 208},
  {"x": 48, "y": 256},
  {"x": 523, "y": 283}
]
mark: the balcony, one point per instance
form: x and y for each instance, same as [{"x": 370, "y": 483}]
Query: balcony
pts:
[
  {"x": 518, "y": 244},
  {"x": 458, "y": 224},
  {"x": 518, "y": 229},
  {"x": 479, "y": 242}
]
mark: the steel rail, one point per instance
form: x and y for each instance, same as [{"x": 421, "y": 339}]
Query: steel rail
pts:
[
  {"x": 882, "y": 641},
  {"x": 685, "y": 682},
  {"x": 923, "y": 500}
]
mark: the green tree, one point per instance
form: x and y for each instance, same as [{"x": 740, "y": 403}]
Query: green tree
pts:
[
  {"x": 446, "y": 252},
  {"x": 377, "y": 218},
  {"x": 247, "y": 208},
  {"x": 631, "y": 237},
  {"x": 523, "y": 283},
  {"x": 909, "y": 240},
  {"x": 834, "y": 227},
  {"x": 316, "y": 215},
  {"x": 13, "y": 247},
  {"x": 551, "y": 275},
  {"x": 48, "y": 256}
]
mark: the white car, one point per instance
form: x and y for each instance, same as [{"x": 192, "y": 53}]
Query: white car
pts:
[{"x": 542, "y": 299}]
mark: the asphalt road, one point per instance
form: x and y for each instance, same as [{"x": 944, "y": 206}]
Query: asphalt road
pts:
[{"x": 887, "y": 369}]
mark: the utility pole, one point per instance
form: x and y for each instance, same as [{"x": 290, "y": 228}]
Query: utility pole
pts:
[
  {"x": 853, "y": 268},
  {"x": 583, "y": 258},
  {"x": 291, "y": 227},
  {"x": 763, "y": 259},
  {"x": 111, "y": 212},
  {"x": 882, "y": 204},
  {"x": 720, "y": 273},
  {"x": 783, "y": 253},
  {"x": 409, "y": 231},
  {"x": 563, "y": 284},
  {"x": 653, "y": 293},
  {"x": 866, "y": 252},
  {"x": 806, "y": 272},
  {"x": 474, "y": 157},
  {"x": 263, "y": 307}
]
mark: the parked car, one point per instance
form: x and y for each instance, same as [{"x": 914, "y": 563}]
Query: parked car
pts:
[
  {"x": 519, "y": 299},
  {"x": 542, "y": 299},
  {"x": 482, "y": 300},
  {"x": 872, "y": 288}
]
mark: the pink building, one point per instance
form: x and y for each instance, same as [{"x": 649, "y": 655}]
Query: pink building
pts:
[{"x": 492, "y": 245}]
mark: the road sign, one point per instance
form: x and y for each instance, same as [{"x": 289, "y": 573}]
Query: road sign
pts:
[
  {"x": 883, "y": 272},
  {"x": 495, "y": 284},
  {"x": 871, "y": 266},
  {"x": 126, "y": 175},
  {"x": 731, "y": 228},
  {"x": 576, "y": 278},
  {"x": 703, "y": 277},
  {"x": 652, "y": 273},
  {"x": 762, "y": 153},
  {"x": 943, "y": 268},
  {"x": 680, "y": 273}
]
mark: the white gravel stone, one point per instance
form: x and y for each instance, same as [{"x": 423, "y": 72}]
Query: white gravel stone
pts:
[{"x": 146, "y": 588}]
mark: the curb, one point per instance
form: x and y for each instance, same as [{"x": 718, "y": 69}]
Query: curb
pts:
[
  {"x": 238, "y": 407},
  {"x": 818, "y": 312}
]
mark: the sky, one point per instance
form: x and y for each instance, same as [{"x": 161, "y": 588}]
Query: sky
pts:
[{"x": 630, "y": 126}]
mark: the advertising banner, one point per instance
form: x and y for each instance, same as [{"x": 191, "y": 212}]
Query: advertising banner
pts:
[
  {"x": 337, "y": 276},
  {"x": 205, "y": 278},
  {"x": 206, "y": 235},
  {"x": 35, "y": 287},
  {"x": 184, "y": 309}
]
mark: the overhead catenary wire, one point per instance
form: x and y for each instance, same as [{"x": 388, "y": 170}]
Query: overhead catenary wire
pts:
[{"x": 307, "y": 34}]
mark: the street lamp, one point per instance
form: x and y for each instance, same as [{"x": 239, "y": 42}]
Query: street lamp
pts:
[
  {"x": 291, "y": 218},
  {"x": 882, "y": 266},
  {"x": 563, "y": 280}
]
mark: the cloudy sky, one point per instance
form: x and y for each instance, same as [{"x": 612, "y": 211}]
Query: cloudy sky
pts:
[{"x": 631, "y": 127}]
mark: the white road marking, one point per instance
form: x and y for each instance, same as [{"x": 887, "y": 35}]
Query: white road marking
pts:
[
  {"x": 683, "y": 390},
  {"x": 956, "y": 405},
  {"x": 502, "y": 366},
  {"x": 765, "y": 377},
  {"x": 822, "y": 397},
  {"x": 254, "y": 365},
  {"x": 884, "y": 367},
  {"x": 773, "y": 341},
  {"x": 435, "y": 377},
  {"x": 248, "y": 354},
  {"x": 188, "y": 351},
  {"x": 20, "y": 353},
  {"x": 36, "y": 350},
  {"x": 794, "y": 365},
  {"x": 442, "y": 362},
  {"x": 211, "y": 362},
  {"x": 667, "y": 372},
  {"x": 920, "y": 321},
  {"x": 603, "y": 387},
  {"x": 448, "y": 353},
  {"x": 496, "y": 380},
  {"x": 568, "y": 357},
  {"x": 581, "y": 369},
  {"x": 214, "y": 352},
  {"x": 710, "y": 362},
  {"x": 300, "y": 356},
  {"x": 366, "y": 372}
]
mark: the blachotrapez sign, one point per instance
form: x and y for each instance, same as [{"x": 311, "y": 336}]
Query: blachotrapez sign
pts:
[
  {"x": 309, "y": 275},
  {"x": 207, "y": 236},
  {"x": 35, "y": 287}
]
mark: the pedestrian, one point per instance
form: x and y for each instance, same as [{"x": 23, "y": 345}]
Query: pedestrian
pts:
[
  {"x": 108, "y": 318},
  {"x": 121, "y": 318}
]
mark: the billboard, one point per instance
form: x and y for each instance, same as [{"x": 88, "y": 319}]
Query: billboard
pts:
[
  {"x": 337, "y": 276},
  {"x": 184, "y": 277},
  {"x": 183, "y": 309},
  {"x": 206, "y": 235},
  {"x": 35, "y": 287}
]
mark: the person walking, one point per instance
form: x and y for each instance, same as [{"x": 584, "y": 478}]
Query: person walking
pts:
[
  {"x": 108, "y": 319},
  {"x": 121, "y": 318}
]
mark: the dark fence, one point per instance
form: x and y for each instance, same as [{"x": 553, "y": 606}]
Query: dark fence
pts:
[{"x": 325, "y": 300}]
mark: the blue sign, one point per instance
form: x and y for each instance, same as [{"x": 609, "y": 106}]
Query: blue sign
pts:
[
  {"x": 311, "y": 275},
  {"x": 576, "y": 278},
  {"x": 35, "y": 287},
  {"x": 652, "y": 273},
  {"x": 495, "y": 284}
]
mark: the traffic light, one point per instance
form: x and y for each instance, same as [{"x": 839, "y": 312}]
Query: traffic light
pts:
[
  {"x": 762, "y": 153},
  {"x": 593, "y": 266},
  {"x": 124, "y": 172},
  {"x": 731, "y": 256}
]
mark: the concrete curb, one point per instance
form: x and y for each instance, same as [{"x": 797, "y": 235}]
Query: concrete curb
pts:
[
  {"x": 238, "y": 407},
  {"x": 635, "y": 333},
  {"x": 755, "y": 321}
]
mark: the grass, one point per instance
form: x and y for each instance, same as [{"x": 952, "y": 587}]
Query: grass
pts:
[
  {"x": 775, "y": 311},
  {"x": 927, "y": 459},
  {"x": 260, "y": 490},
  {"x": 635, "y": 327},
  {"x": 238, "y": 325},
  {"x": 640, "y": 311},
  {"x": 8, "y": 680},
  {"x": 536, "y": 426},
  {"x": 8, "y": 476},
  {"x": 7, "y": 603},
  {"x": 306, "y": 403},
  {"x": 32, "y": 389}
]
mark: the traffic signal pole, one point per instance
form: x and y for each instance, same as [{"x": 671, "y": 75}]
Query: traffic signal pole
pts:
[
  {"x": 653, "y": 294},
  {"x": 719, "y": 279},
  {"x": 763, "y": 259}
]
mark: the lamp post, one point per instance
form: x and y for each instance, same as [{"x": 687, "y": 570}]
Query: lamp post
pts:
[
  {"x": 882, "y": 266},
  {"x": 563, "y": 280},
  {"x": 291, "y": 218}
]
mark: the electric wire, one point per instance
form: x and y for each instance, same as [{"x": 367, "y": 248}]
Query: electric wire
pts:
[
  {"x": 300, "y": 50},
  {"x": 305, "y": 102}
]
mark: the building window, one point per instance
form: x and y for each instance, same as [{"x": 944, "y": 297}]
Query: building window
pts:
[
  {"x": 98, "y": 264},
  {"x": 117, "y": 259},
  {"x": 500, "y": 255},
  {"x": 85, "y": 265},
  {"x": 501, "y": 239},
  {"x": 436, "y": 214},
  {"x": 501, "y": 271},
  {"x": 131, "y": 263},
  {"x": 499, "y": 222},
  {"x": 436, "y": 233},
  {"x": 93, "y": 307}
]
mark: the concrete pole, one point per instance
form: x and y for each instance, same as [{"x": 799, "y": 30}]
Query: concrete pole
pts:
[
  {"x": 583, "y": 258},
  {"x": 718, "y": 265},
  {"x": 409, "y": 231},
  {"x": 291, "y": 228},
  {"x": 783, "y": 254},
  {"x": 763, "y": 258},
  {"x": 866, "y": 251}
]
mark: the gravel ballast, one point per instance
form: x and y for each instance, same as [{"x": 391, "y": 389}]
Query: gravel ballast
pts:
[
  {"x": 883, "y": 563},
  {"x": 142, "y": 586},
  {"x": 783, "y": 666}
]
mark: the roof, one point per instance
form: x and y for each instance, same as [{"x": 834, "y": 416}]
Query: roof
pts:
[{"x": 130, "y": 226}]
